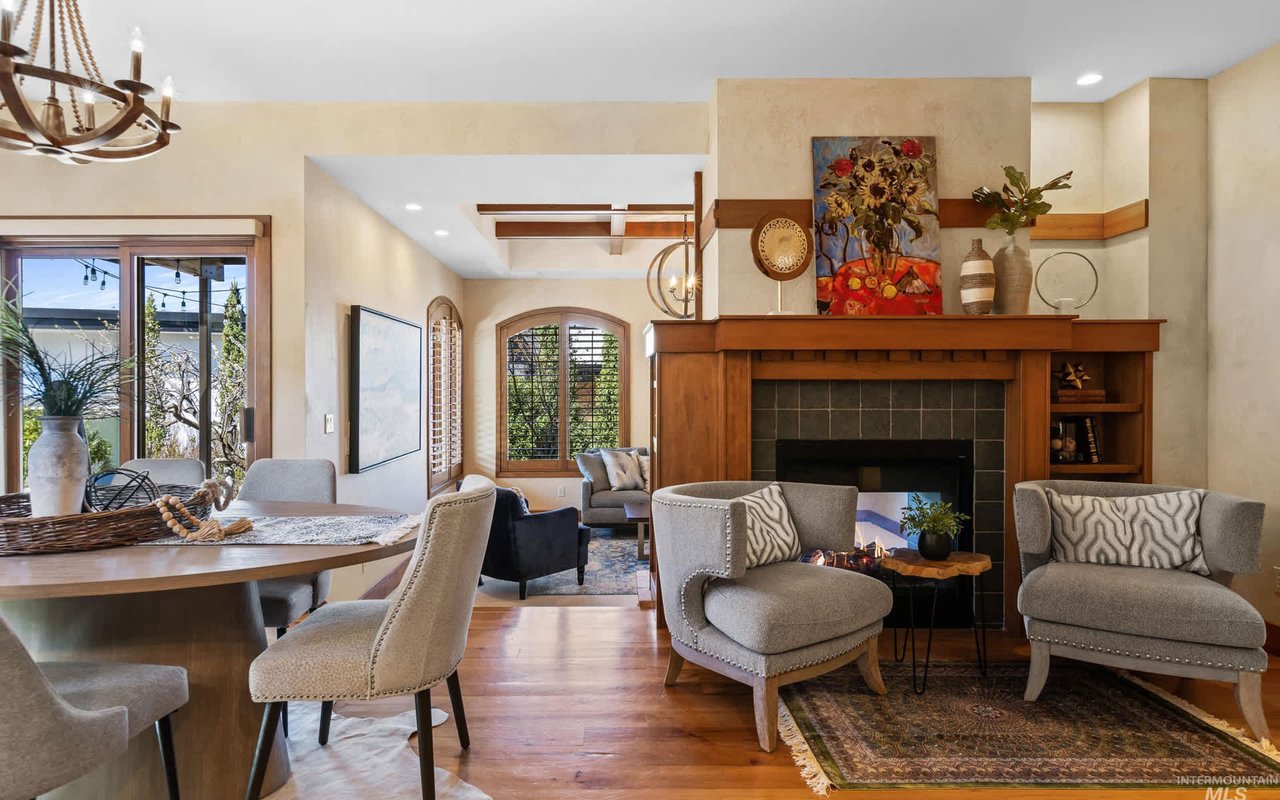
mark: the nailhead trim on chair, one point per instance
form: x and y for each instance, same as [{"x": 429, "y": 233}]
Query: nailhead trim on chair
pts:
[
  {"x": 744, "y": 668},
  {"x": 728, "y": 564},
  {"x": 371, "y": 694},
  {"x": 1148, "y": 657}
]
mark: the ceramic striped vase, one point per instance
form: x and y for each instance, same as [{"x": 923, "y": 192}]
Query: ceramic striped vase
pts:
[{"x": 977, "y": 281}]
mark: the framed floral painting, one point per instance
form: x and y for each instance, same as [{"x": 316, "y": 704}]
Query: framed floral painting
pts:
[{"x": 875, "y": 212}]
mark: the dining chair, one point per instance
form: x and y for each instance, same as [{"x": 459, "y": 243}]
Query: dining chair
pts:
[
  {"x": 61, "y": 720},
  {"x": 405, "y": 644},
  {"x": 300, "y": 480},
  {"x": 180, "y": 471}
]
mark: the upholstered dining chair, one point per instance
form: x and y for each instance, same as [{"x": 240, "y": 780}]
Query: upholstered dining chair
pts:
[
  {"x": 1167, "y": 621},
  {"x": 302, "y": 480},
  {"x": 180, "y": 471},
  {"x": 772, "y": 625},
  {"x": 61, "y": 720},
  {"x": 405, "y": 644}
]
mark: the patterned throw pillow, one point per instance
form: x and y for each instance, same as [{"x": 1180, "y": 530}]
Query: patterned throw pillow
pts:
[
  {"x": 771, "y": 533},
  {"x": 644, "y": 470},
  {"x": 1160, "y": 531},
  {"x": 623, "y": 467}
]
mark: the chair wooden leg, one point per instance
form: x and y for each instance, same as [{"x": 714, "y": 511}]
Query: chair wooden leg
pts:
[
  {"x": 1039, "y": 672},
  {"x": 326, "y": 716},
  {"x": 1249, "y": 698},
  {"x": 675, "y": 663},
  {"x": 869, "y": 666},
  {"x": 266, "y": 738},
  {"x": 426, "y": 754},
  {"x": 765, "y": 691},
  {"x": 524, "y": 589},
  {"x": 459, "y": 715},
  {"x": 164, "y": 736}
]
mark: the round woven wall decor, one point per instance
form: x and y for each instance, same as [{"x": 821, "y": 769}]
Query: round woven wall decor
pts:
[{"x": 781, "y": 247}]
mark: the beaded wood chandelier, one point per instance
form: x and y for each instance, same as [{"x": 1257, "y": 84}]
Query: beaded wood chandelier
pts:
[{"x": 131, "y": 128}]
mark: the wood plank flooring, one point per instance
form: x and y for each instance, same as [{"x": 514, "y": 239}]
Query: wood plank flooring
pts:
[{"x": 569, "y": 703}]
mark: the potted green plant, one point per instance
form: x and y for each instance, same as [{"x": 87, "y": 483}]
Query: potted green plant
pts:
[
  {"x": 1017, "y": 204},
  {"x": 936, "y": 523},
  {"x": 69, "y": 389}
]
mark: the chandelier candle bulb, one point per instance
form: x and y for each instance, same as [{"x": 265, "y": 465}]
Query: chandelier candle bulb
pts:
[
  {"x": 87, "y": 99},
  {"x": 166, "y": 98},
  {"x": 7, "y": 9},
  {"x": 135, "y": 49}
]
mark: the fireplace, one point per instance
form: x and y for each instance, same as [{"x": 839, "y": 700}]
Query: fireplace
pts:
[
  {"x": 887, "y": 472},
  {"x": 943, "y": 439}
]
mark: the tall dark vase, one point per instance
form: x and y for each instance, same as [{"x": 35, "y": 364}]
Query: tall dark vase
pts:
[{"x": 934, "y": 546}]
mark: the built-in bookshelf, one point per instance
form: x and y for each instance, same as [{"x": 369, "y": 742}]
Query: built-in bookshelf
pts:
[{"x": 1112, "y": 432}]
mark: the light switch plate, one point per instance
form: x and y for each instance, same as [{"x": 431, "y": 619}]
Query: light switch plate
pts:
[
  {"x": 330, "y": 424},
  {"x": 560, "y": 490}
]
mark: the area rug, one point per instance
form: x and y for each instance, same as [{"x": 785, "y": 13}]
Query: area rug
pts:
[
  {"x": 1090, "y": 727},
  {"x": 611, "y": 567},
  {"x": 367, "y": 757}
]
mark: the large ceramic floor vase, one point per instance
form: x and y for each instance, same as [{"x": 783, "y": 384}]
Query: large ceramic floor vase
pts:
[
  {"x": 977, "y": 281},
  {"x": 1013, "y": 278},
  {"x": 57, "y": 468}
]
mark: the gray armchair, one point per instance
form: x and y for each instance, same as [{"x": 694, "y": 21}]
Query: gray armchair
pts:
[
  {"x": 601, "y": 506},
  {"x": 1166, "y": 621},
  {"x": 771, "y": 625}
]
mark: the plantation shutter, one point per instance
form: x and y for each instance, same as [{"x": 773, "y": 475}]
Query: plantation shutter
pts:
[
  {"x": 445, "y": 402},
  {"x": 563, "y": 374}
]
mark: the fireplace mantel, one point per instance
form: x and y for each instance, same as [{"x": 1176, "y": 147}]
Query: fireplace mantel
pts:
[{"x": 702, "y": 375}]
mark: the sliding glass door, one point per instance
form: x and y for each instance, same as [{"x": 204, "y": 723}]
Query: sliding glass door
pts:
[{"x": 192, "y": 360}]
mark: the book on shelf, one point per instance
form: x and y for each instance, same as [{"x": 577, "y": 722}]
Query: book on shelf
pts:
[
  {"x": 1080, "y": 395},
  {"x": 1092, "y": 445}
]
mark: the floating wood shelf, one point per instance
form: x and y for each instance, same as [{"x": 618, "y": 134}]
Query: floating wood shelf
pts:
[
  {"x": 1094, "y": 469},
  {"x": 1092, "y": 227},
  {"x": 1096, "y": 408}
]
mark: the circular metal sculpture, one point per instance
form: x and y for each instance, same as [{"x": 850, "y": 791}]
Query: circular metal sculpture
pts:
[
  {"x": 113, "y": 489},
  {"x": 1056, "y": 304},
  {"x": 680, "y": 284},
  {"x": 781, "y": 247}
]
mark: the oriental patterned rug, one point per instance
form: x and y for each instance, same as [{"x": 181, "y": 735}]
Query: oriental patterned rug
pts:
[{"x": 1090, "y": 727}]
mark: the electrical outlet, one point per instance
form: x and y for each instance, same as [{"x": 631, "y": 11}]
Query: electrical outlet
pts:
[
  {"x": 330, "y": 423},
  {"x": 560, "y": 490}
]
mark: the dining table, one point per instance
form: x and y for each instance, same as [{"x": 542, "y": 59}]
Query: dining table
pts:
[{"x": 190, "y": 605}]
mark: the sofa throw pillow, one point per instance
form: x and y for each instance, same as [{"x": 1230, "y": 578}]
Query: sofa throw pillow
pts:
[
  {"x": 644, "y": 471},
  {"x": 591, "y": 465},
  {"x": 1159, "y": 531},
  {"x": 623, "y": 467},
  {"x": 771, "y": 533},
  {"x": 524, "y": 501}
]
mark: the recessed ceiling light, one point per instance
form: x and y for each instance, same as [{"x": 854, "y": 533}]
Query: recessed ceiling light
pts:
[
  {"x": 442, "y": 232},
  {"x": 1089, "y": 79},
  {"x": 412, "y": 207}
]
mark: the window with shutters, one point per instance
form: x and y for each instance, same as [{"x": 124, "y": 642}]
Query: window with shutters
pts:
[
  {"x": 444, "y": 390},
  {"x": 562, "y": 378}
]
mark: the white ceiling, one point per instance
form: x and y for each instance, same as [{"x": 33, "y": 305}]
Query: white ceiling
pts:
[
  {"x": 589, "y": 50},
  {"x": 449, "y": 187}
]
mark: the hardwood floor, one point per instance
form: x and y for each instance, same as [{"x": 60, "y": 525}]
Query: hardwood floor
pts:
[{"x": 569, "y": 703}]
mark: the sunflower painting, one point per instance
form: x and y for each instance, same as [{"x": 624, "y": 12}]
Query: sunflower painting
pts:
[{"x": 875, "y": 210}]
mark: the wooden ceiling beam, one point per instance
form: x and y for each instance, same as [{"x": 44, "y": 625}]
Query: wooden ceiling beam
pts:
[
  {"x": 521, "y": 229},
  {"x": 549, "y": 209}
]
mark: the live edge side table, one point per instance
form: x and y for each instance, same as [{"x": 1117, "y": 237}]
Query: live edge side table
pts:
[{"x": 916, "y": 570}]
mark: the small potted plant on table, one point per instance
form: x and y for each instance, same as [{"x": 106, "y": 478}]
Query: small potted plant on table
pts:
[{"x": 936, "y": 523}]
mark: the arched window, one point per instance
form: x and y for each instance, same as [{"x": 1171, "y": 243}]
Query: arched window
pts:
[
  {"x": 444, "y": 393},
  {"x": 562, "y": 389}
]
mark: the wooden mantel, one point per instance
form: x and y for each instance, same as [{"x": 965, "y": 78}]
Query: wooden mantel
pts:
[{"x": 702, "y": 373}]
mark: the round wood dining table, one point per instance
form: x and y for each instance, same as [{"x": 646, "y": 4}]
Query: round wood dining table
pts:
[{"x": 193, "y": 606}]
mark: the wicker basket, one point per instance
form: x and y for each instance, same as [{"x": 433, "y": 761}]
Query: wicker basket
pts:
[{"x": 23, "y": 534}]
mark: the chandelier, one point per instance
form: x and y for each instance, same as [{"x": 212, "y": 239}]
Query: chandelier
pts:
[
  {"x": 131, "y": 129},
  {"x": 681, "y": 287}
]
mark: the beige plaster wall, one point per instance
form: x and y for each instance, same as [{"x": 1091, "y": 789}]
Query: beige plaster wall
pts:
[
  {"x": 1243, "y": 287},
  {"x": 488, "y": 303},
  {"x": 354, "y": 256},
  {"x": 762, "y": 149},
  {"x": 249, "y": 158},
  {"x": 1126, "y": 142}
]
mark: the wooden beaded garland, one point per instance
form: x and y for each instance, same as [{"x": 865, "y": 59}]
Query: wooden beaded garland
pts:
[{"x": 194, "y": 529}]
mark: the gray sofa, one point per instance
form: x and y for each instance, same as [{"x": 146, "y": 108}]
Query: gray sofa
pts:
[
  {"x": 601, "y": 506},
  {"x": 1166, "y": 621},
  {"x": 772, "y": 625}
]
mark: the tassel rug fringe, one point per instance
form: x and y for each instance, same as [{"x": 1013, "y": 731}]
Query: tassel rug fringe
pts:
[{"x": 814, "y": 776}]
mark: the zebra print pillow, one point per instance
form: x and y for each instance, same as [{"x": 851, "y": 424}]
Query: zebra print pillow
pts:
[
  {"x": 771, "y": 533},
  {"x": 1154, "y": 530}
]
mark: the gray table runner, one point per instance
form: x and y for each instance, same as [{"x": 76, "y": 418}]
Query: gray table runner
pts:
[{"x": 381, "y": 529}]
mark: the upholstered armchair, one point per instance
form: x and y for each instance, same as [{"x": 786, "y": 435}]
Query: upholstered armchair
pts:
[
  {"x": 1167, "y": 621},
  {"x": 771, "y": 625},
  {"x": 601, "y": 506},
  {"x": 523, "y": 546}
]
